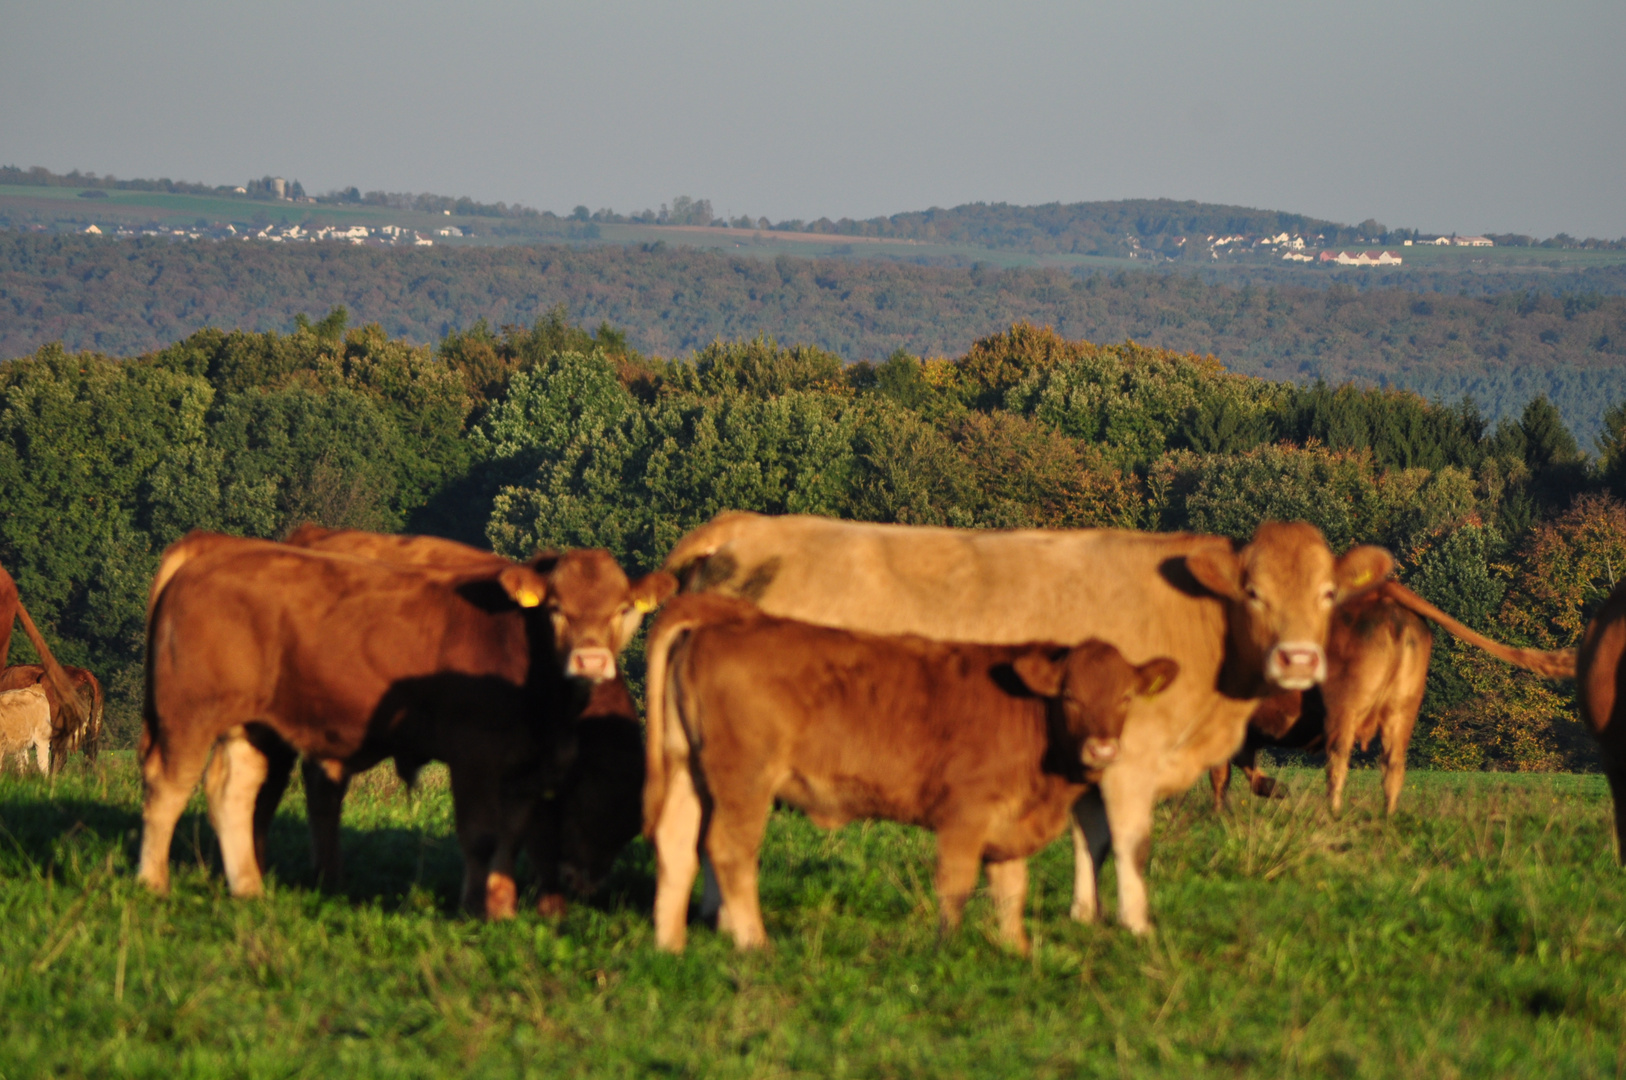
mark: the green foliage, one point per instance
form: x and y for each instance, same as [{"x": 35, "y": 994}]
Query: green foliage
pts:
[{"x": 551, "y": 436}]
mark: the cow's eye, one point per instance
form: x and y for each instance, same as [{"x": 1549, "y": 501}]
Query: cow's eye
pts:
[
  {"x": 1329, "y": 594},
  {"x": 1252, "y": 594}
]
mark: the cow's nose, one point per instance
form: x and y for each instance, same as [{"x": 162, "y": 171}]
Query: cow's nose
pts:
[
  {"x": 1098, "y": 752},
  {"x": 593, "y": 662},
  {"x": 1296, "y": 665}
]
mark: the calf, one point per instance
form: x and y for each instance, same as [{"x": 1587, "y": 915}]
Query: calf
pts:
[
  {"x": 25, "y": 724},
  {"x": 987, "y": 746},
  {"x": 350, "y": 661}
]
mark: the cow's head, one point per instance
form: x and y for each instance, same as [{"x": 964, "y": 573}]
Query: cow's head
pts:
[
  {"x": 594, "y": 609},
  {"x": 1094, "y": 685},
  {"x": 1282, "y": 588}
]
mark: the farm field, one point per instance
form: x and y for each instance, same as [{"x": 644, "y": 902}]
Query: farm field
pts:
[{"x": 1480, "y": 933}]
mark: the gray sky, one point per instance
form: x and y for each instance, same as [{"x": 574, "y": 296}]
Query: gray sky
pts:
[{"x": 1457, "y": 115}]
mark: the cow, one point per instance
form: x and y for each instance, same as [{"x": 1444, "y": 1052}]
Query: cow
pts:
[
  {"x": 1600, "y": 679},
  {"x": 72, "y": 728},
  {"x": 988, "y": 746},
  {"x": 66, "y": 736},
  {"x": 1377, "y": 669},
  {"x": 25, "y": 725},
  {"x": 582, "y": 822},
  {"x": 1242, "y": 623},
  {"x": 350, "y": 661}
]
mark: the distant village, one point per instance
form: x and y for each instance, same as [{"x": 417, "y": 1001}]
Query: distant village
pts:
[{"x": 382, "y": 235}]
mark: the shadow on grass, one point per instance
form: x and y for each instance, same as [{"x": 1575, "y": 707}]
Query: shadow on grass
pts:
[{"x": 390, "y": 866}]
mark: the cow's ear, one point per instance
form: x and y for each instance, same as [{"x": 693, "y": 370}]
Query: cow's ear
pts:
[
  {"x": 1217, "y": 570},
  {"x": 524, "y": 586},
  {"x": 1156, "y": 675},
  {"x": 652, "y": 590},
  {"x": 1041, "y": 670},
  {"x": 1362, "y": 569}
]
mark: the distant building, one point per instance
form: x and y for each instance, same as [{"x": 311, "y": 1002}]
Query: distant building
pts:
[
  {"x": 1365, "y": 258},
  {"x": 1473, "y": 241},
  {"x": 279, "y": 187},
  {"x": 93, "y": 230},
  {"x": 1296, "y": 256}
]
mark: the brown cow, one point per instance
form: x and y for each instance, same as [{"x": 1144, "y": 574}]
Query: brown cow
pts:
[
  {"x": 582, "y": 822},
  {"x": 988, "y": 746},
  {"x": 1241, "y": 623},
  {"x": 1601, "y": 679},
  {"x": 65, "y": 736},
  {"x": 1377, "y": 669},
  {"x": 350, "y": 661}
]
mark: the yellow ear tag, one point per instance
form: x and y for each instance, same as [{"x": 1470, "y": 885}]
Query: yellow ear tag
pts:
[
  {"x": 526, "y": 598},
  {"x": 1157, "y": 684},
  {"x": 1363, "y": 577},
  {"x": 643, "y": 605}
]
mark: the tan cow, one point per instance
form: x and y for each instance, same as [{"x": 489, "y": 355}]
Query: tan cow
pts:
[
  {"x": 1377, "y": 669},
  {"x": 1241, "y": 623},
  {"x": 25, "y": 725},
  {"x": 988, "y": 746}
]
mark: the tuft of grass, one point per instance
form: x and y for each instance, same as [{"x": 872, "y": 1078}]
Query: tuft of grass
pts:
[{"x": 1482, "y": 931}]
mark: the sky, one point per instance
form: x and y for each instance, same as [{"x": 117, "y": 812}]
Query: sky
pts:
[{"x": 1465, "y": 116}]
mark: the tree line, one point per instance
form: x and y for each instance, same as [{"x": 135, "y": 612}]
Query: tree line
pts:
[
  {"x": 554, "y": 435},
  {"x": 135, "y": 296}
]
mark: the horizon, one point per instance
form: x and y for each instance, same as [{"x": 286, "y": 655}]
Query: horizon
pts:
[{"x": 1468, "y": 120}]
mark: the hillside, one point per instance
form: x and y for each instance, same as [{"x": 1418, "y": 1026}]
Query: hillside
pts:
[{"x": 124, "y": 298}]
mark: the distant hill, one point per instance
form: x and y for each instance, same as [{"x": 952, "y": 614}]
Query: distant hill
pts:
[{"x": 125, "y": 298}]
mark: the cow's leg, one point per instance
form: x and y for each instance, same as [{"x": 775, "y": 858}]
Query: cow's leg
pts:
[
  {"x": 1219, "y": 778},
  {"x": 1397, "y": 725},
  {"x": 734, "y": 843},
  {"x": 1339, "y": 747},
  {"x": 711, "y": 897},
  {"x": 677, "y": 855},
  {"x": 542, "y": 841},
  {"x": 959, "y": 858},
  {"x": 486, "y": 834},
  {"x": 279, "y": 769},
  {"x": 1129, "y": 812},
  {"x": 232, "y": 781},
  {"x": 1616, "y": 772},
  {"x": 170, "y": 773},
  {"x": 325, "y": 787},
  {"x": 1008, "y": 880},
  {"x": 1092, "y": 840}
]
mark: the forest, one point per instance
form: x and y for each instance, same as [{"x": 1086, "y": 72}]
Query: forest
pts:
[
  {"x": 131, "y": 297},
  {"x": 547, "y": 435}
]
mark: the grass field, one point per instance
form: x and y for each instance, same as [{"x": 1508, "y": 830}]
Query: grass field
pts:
[{"x": 1481, "y": 933}]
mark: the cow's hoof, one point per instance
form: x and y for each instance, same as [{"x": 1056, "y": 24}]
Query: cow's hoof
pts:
[
  {"x": 1267, "y": 788},
  {"x": 552, "y": 906},
  {"x": 502, "y": 897}
]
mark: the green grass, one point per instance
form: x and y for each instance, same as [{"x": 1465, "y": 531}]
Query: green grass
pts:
[{"x": 1481, "y": 933}]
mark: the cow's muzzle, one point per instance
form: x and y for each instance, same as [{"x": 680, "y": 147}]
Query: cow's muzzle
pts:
[
  {"x": 1296, "y": 665},
  {"x": 594, "y": 663},
  {"x": 1099, "y": 753}
]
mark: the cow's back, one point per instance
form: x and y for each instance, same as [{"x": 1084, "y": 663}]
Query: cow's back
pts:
[{"x": 1129, "y": 589}]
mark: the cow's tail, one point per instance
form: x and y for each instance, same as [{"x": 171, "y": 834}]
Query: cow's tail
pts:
[
  {"x": 1555, "y": 664},
  {"x": 72, "y": 717},
  {"x": 701, "y": 544},
  {"x": 92, "y": 742},
  {"x": 663, "y": 725}
]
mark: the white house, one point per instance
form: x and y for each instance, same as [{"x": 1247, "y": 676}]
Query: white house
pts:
[
  {"x": 93, "y": 230},
  {"x": 1473, "y": 241}
]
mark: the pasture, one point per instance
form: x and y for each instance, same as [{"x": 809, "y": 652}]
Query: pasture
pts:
[{"x": 1480, "y": 933}]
